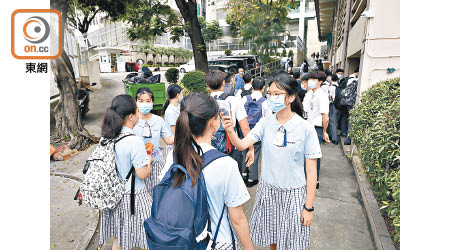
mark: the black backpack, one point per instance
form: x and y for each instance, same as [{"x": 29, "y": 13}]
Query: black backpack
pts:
[
  {"x": 338, "y": 92},
  {"x": 245, "y": 92},
  {"x": 305, "y": 68}
]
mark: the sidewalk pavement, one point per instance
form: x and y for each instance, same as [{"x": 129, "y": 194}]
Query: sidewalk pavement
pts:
[{"x": 71, "y": 226}]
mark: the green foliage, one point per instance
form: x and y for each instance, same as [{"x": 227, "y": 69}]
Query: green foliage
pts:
[
  {"x": 210, "y": 30},
  {"x": 194, "y": 82},
  {"x": 260, "y": 22},
  {"x": 376, "y": 133},
  {"x": 150, "y": 19},
  {"x": 227, "y": 52},
  {"x": 291, "y": 53},
  {"x": 283, "y": 53},
  {"x": 172, "y": 75}
]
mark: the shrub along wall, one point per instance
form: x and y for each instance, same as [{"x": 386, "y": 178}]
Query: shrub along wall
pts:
[{"x": 376, "y": 133}]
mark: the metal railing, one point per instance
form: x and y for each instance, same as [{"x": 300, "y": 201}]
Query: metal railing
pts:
[{"x": 265, "y": 69}]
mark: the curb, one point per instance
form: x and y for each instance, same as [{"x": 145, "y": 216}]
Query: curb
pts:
[
  {"x": 378, "y": 226},
  {"x": 92, "y": 226}
]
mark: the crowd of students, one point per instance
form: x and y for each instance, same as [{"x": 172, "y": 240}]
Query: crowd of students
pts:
[{"x": 282, "y": 123}]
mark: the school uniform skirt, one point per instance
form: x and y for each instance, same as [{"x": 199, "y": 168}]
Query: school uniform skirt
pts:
[
  {"x": 129, "y": 229},
  {"x": 153, "y": 179},
  {"x": 228, "y": 246},
  {"x": 276, "y": 217}
]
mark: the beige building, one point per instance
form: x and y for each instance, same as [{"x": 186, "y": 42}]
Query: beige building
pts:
[{"x": 362, "y": 34}]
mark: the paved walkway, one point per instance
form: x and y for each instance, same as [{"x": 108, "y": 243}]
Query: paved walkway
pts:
[{"x": 340, "y": 222}]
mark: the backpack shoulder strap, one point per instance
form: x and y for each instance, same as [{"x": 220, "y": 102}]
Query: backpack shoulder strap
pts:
[
  {"x": 223, "y": 96},
  {"x": 211, "y": 156},
  {"x": 120, "y": 137},
  {"x": 249, "y": 98},
  {"x": 261, "y": 100}
]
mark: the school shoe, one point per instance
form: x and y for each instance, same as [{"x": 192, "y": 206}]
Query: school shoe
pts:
[
  {"x": 251, "y": 183},
  {"x": 335, "y": 142},
  {"x": 245, "y": 178},
  {"x": 348, "y": 141},
  {"x": 317, "y": 185}
]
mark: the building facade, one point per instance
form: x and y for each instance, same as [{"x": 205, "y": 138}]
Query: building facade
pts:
[{"x": 363, "y": 35}]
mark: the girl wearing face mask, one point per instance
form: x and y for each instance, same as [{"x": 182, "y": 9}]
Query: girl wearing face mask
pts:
[
  {"x": 151, "y": 128},
  {"x": 283, "y": 210},
  {"x": 126, "y": 228}
]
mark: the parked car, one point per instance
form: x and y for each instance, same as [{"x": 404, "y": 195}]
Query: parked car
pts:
[
  {"x": 237, "y": 62},
  {"x": 188, "y": 67},
  {"x": 253, "y": 62},
  {"x": 222, "y": 67}
]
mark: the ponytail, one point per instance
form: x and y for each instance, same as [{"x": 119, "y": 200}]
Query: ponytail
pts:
[
  {"x": 172, "y": 91},
  {"x": 297, "y": 106},
  {"x": 185, "y": 154},
  {"x": 197, "y": 109},
  {"x": 121, "y": 107}
]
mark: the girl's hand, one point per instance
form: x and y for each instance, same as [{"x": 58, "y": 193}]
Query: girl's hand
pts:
[
  {"x": 227, "y": 123},
  {"x": 307, "y": 218},
  {"x": 150, "y": 158}
]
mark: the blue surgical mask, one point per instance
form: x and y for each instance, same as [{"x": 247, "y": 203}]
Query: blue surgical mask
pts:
[
  {"x": 276, "y": 103},
  {"x": 181, "y": 99},
  {"x": 312, "y": 84},
  {"x": 145, "y": 107},
  {"x": 301, "y": 85}
]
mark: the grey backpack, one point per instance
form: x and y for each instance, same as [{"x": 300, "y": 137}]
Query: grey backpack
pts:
[
  {"x": 102, "y": 187},
  {"x": 349, "y": 93}
]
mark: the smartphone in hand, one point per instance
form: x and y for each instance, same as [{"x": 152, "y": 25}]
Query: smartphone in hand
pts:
[{"x": 224, "y": 106}]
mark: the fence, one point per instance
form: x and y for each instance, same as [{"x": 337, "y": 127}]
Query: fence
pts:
[{"x": 265, "y": 69}]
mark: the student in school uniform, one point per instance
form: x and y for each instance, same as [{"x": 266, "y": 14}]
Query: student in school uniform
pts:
[
  {"x": 127, "y": 229},
  {"x": 215, "y": 82},
  {"x": 258, "y": 86},
  {"x": 317, "y": 109},
  {"x": 283, "y": 210},
  {"x": 334, "y": 112},
  {"x": 171, "y": 108},
  {"x": 247, "y": 88},
  {"x": 198, "y": 121},
  {"x": 151, "y": 128}
]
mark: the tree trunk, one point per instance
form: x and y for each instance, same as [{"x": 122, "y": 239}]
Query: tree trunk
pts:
[
  {"x": 67, "y": 113},
  {"x": 188, "y": 10}
]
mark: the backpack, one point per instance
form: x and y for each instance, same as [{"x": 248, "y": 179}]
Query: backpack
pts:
[
  {"x": 220, "y": 139},
  {"x": 338, "y": 92},
  {"x": 229, "y": 89},
  {"x": 101, "y": 187},
  {"x": 349, "y": 94},
  {"x": 254, "y": 110},
  {"x": 305, "y": 67},
  {"x": 245, "y": 92},
  {"x": 180, "y": 217}
]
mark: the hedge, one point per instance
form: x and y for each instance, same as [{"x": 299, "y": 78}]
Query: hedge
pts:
[
  {"x": 172, "y": 75},
  {"x": 194, "y": 82},
  {"x": 376, "y": 133}
]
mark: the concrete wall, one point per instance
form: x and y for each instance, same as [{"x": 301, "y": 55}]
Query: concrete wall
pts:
[
  {"x": 312, "y": 38},
  {"x": 381, "y": 49}
]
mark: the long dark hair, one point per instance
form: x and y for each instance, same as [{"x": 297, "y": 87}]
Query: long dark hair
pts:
[
  {"x": 121, "y": 107},
  {"x": 172, "y": 92},
  {"x": 289, "y": 84},
  {"x": 196, "y": 110}
]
